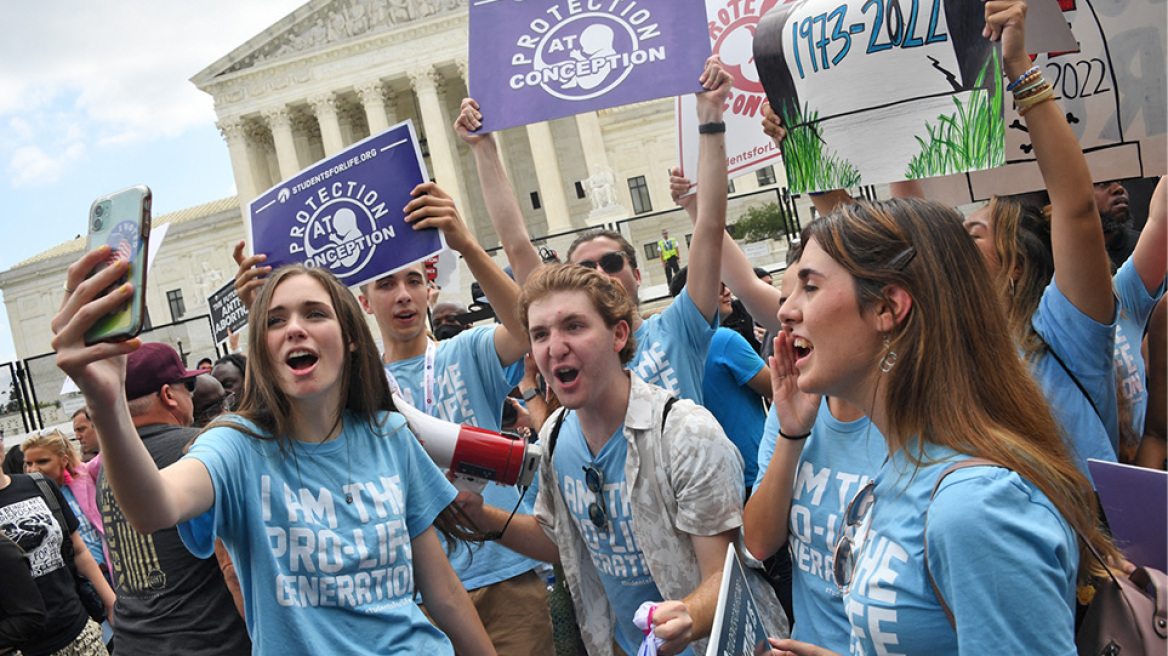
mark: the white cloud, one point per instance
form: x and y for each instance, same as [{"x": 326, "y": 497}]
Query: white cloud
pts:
[
  {"x": 30, "y": 165},
  {"x": 120, "y": 66}
]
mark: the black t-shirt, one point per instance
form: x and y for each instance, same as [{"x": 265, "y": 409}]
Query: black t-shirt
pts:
[
  {"x": 22, "y": 611},
  {"x": 26, "y": 518},
  {"x": 1120, "y": 246},
  {"x": 169, "y": 601}
]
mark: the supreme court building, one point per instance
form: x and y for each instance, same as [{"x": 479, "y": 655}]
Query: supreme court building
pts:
[{"x": 336, "y": 71}]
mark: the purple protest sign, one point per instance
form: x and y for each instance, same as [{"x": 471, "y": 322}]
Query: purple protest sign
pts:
[
  {"x": 535, "y": 61},
  {"x": 344, "y": 213}
]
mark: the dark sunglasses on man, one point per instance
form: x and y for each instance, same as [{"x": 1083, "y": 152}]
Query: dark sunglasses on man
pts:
[{"x": 609, "y": 262}]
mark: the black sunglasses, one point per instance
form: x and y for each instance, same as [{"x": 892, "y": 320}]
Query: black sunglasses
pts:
[
  {"x": 188, "y": 382},
  {"x": 609, "y": 262},
  {"x": 595, "y": 482}
]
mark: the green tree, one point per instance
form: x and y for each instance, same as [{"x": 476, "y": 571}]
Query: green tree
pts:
[
  {"x": 13, "y": 403},
  {"x": 759, "y": 223}
]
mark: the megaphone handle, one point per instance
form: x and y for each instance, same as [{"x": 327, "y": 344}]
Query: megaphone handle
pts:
[{"x": 464, "y": 483}]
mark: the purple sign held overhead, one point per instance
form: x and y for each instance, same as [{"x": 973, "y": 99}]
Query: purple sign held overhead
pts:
[
  {"x": 345, "y": 214},
  {"x": 535, "y": 61}
]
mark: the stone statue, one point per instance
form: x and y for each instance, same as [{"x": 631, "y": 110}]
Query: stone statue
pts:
[
  {"x": 358, "y": 22},
  {"x": 601, "y": 188},
  {"x": 208, "y": 281},
  {"x": 337, "y": 26},
  {"x": 399, "y": 11}
]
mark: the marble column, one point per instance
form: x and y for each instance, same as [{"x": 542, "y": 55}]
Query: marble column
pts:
[
  {"x": 325, "y": 108},
  {"x": 592, "y": 142},
  {"x": 280, "y": 122},
  {"x": 424, "y": 81},
  {"x": 234, "y": 132},
  {"x": 547, "y": 172},
  {"x": 372, "y": 96}
]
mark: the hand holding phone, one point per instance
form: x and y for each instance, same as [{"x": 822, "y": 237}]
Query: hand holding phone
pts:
[{"x": 121, "y": 220}]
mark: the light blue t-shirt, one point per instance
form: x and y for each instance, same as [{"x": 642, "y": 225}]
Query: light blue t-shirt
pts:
[
  {"x": 1085, "y": 347},
  {"x": 471, "y": 385},
  {"x": 671, "y": 348},
  {"x": 838, "y": 459},
  {"x": 320, "y": 575},
  {"x": 1002, "y": 556},
  {"x": 1135, "y": 307},
  {"x": 89, "y": 534},
  {"x": 730, "y": 364},
  {"x": 614, "y": 550}
]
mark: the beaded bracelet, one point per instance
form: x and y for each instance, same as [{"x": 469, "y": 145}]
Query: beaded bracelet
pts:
[
  {"x": 1022, "y": 92},
  {"x": 1015, "y": 83}
]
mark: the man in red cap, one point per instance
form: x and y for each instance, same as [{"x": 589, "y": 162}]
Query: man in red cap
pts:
[{"x": 170, "y": 602}]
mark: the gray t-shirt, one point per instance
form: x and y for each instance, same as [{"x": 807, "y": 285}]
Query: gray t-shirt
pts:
[{"x": 169, "y": 601}]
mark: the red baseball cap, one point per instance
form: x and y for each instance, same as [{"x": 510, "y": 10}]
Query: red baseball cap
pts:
[{"x": 153, "y": 365}]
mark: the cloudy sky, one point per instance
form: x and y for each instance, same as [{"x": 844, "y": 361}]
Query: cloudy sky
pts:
[{"x": 95, "y": 97}]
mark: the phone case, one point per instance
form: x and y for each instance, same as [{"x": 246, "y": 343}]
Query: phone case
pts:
[{"x": 122, "y": 220}]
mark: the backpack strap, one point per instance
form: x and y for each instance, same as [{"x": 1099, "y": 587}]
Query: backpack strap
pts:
[
  {"x": 971, "y": 462},
  {"x": 55, "y": 507},
  {"x": 665, "y": 413},
  {"x": 555, "y": 434}
]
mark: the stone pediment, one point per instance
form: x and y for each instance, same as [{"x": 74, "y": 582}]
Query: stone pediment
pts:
[{"x": 321, "y": 24}]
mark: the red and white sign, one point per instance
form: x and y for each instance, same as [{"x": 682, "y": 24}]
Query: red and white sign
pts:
[{"x": 732, "y": 24}]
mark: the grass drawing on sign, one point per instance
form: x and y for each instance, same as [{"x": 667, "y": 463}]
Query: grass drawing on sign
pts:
[
  {"x": 810, "y": 167},
  {"x": 971, "y": 139}
]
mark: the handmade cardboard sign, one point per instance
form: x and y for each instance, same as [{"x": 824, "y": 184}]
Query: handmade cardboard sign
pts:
[
  {"x": 345, "y": 214},
  {"x": 732, "y": 24},
  {"x": 535, "y": 61},
  {"x": 1113, "y": 89},
  {"x": 881, "y": 90}
]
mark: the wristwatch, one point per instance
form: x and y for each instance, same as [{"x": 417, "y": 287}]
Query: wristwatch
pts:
[{"x": 529, "y": 394}]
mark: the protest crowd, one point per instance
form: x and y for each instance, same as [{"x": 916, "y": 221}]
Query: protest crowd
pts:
[{"x": 906, "y": 471}]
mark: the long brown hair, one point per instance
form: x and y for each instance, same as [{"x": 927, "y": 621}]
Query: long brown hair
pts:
[
  {"x": 1022, "y": 244},
  {"x": 364, "y": 387},
  {"x": 956, "y": 382}
]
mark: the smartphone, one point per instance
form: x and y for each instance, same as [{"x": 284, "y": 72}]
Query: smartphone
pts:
[{"x": 122, "y": 220}]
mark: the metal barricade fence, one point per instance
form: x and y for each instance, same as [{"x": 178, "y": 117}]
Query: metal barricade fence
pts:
[{"x": 39, "y": 383}]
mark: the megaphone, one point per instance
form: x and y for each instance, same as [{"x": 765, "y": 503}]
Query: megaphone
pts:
[{"x": 475, "y": 455}]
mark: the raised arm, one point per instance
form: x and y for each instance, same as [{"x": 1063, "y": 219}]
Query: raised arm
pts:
[
  {"x": 434, "y": 208},
  {"x": 1081, "y": 267},
  {"x": 1150, "y": 256},
  {"x": 1154, "y": 443},
  {"x": 765, "y": 520},
  {"x": 502, "y": 206},
  {"x": 705, "y": 254},
  {"x": 760, "y": 299},
  {"x": 250, "y": 275},
  {"x": 150, "y": 499}
]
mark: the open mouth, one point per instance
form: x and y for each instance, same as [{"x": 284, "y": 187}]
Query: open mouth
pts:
[
  {"x": 802, "y": 347},
  {"x": 406, "y": 315},
  {"x": 567, "y": 375},
  {"x": 301, "y": 360}
]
